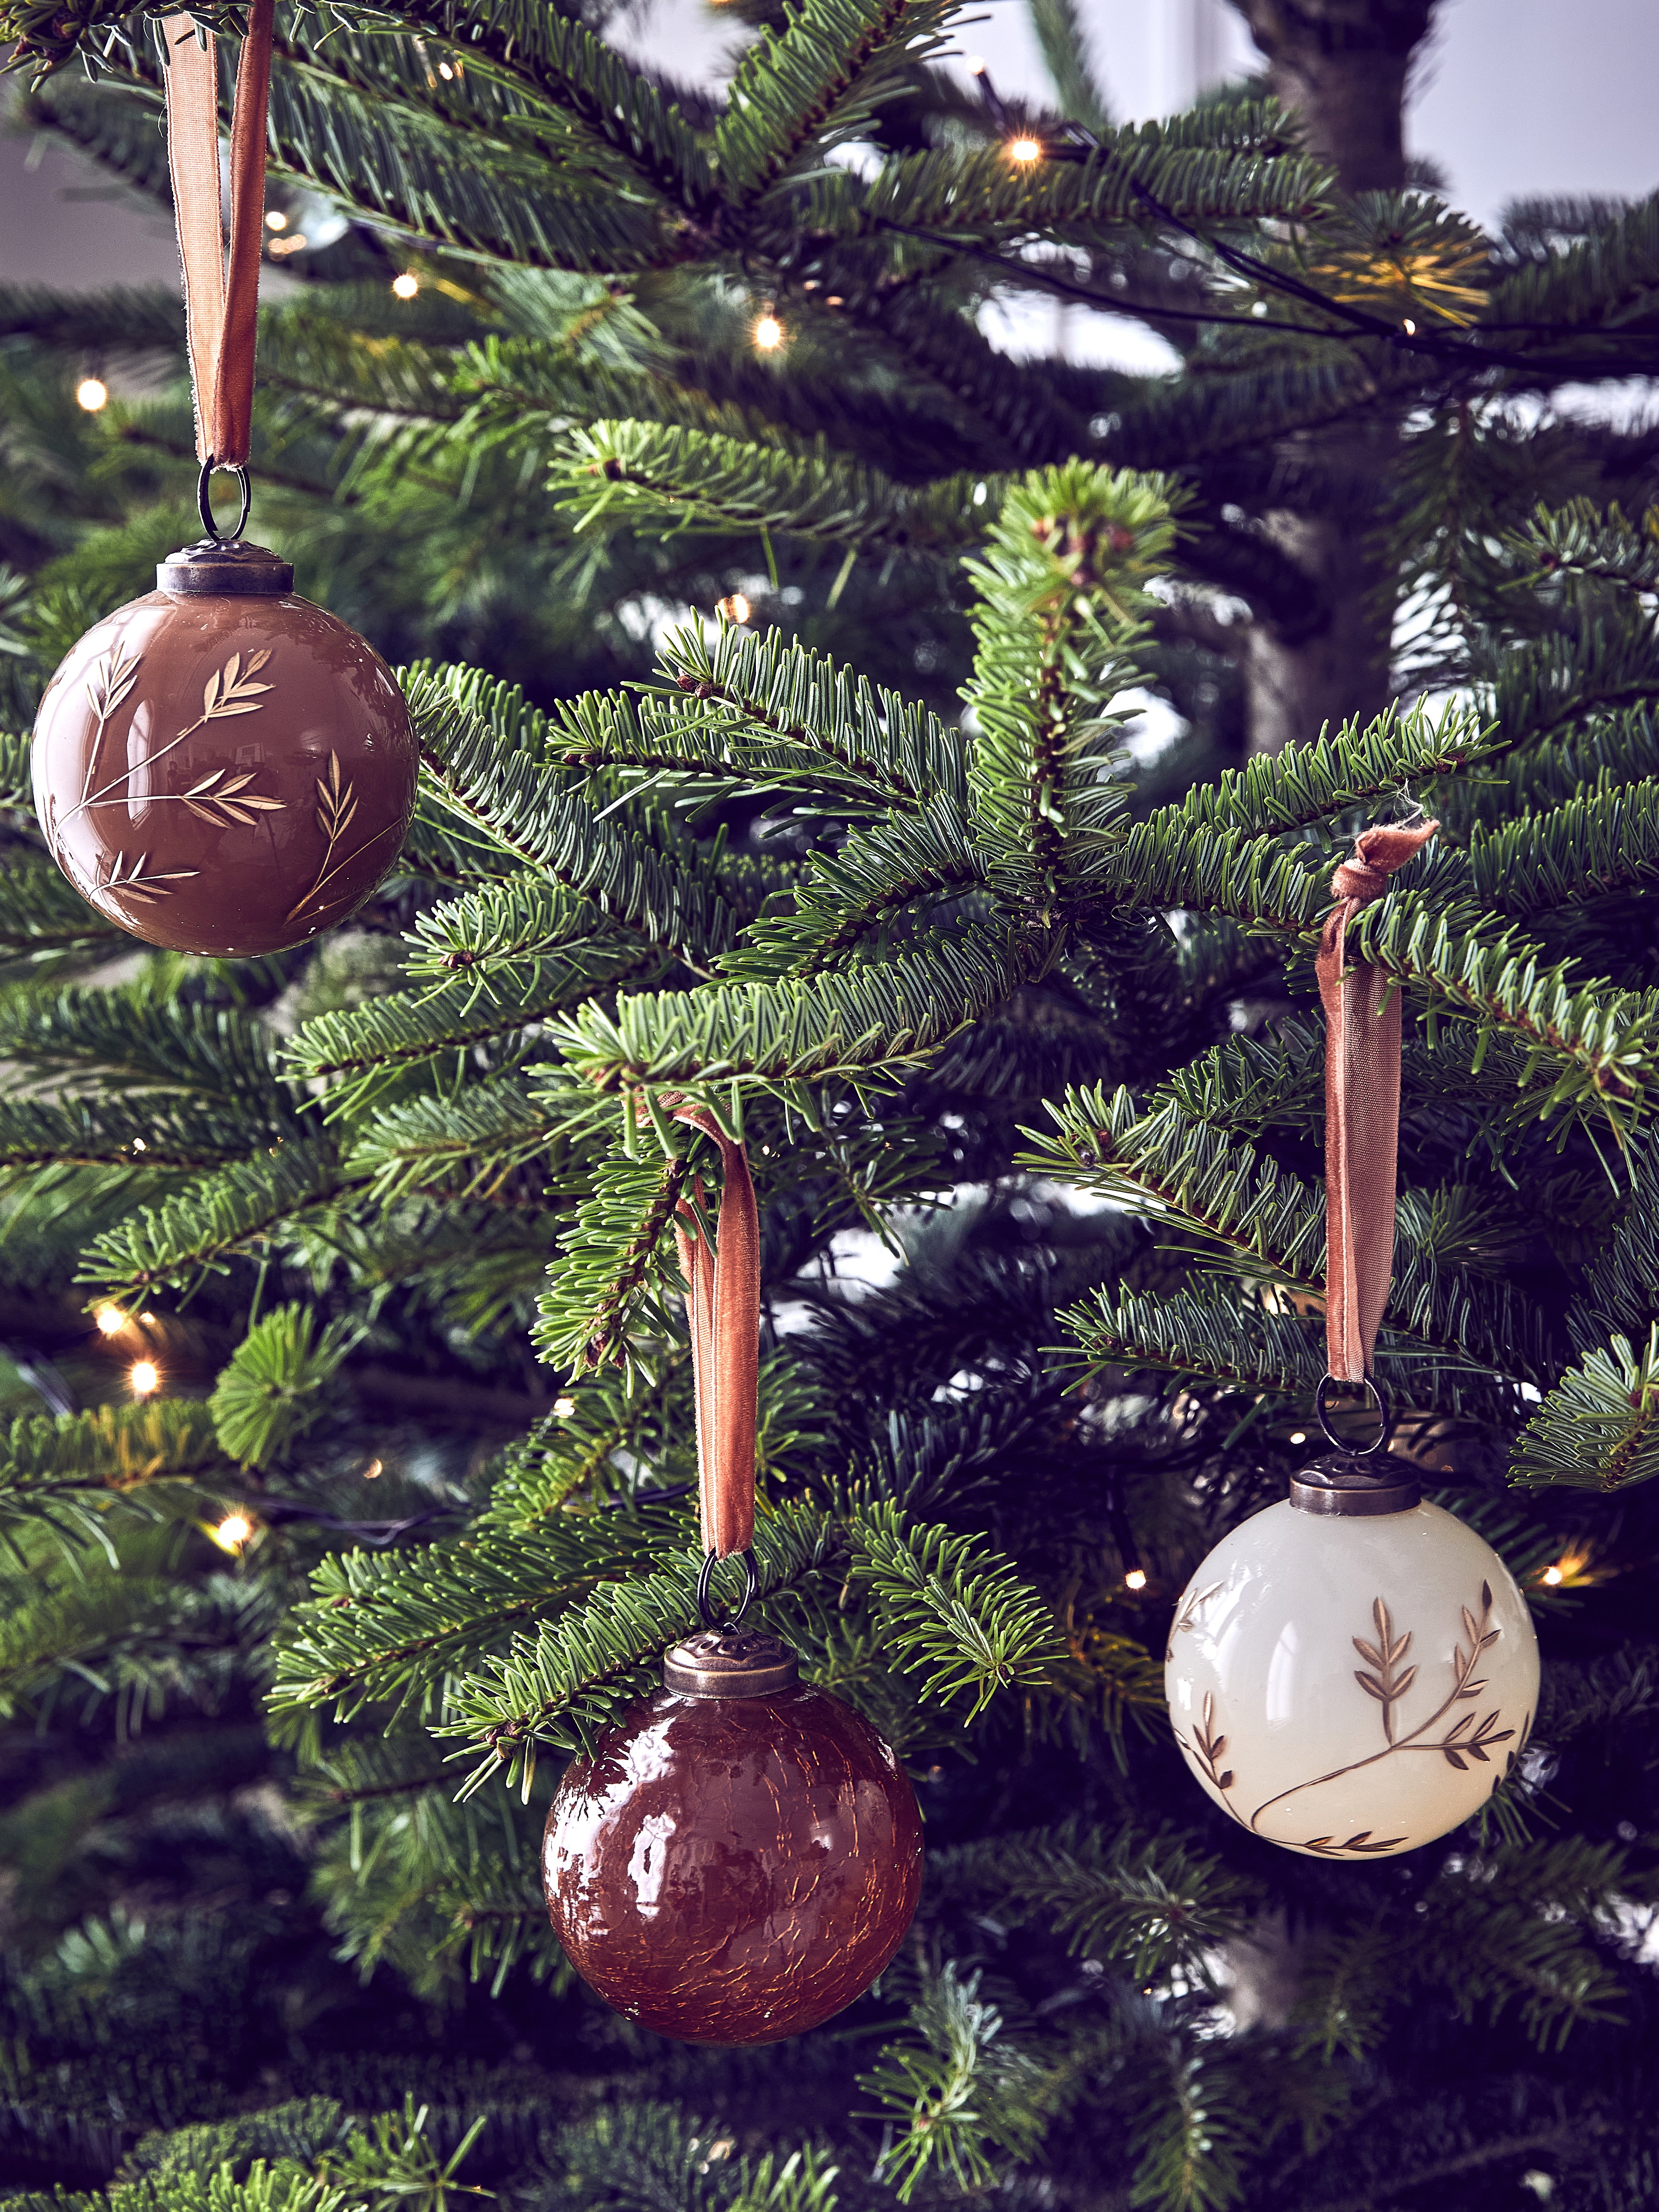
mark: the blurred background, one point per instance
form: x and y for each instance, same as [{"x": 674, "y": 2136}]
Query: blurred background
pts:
[{"x": 1535, "y": 96}]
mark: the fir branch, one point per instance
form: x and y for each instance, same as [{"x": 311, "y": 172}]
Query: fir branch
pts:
[{"x": 952, "y": 1609}]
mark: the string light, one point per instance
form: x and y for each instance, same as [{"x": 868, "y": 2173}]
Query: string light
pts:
[
  {"x": 976, "y": 64},
  {"x": 769, "y": 333},
  {"x": 446, "y": 72},
  {"x": 1024, "y": 150},
  {"x": 1135, "y": 1579},
  {"x": 734, "y": 607},
  {"x": 375, "y": 1467},
  {"x": 281, "y": 247},
  {"x": 111, "y": 1321},
  {"x": 1298, "y": 1436},
  {"x": 276, "y": 219},
  {"x": 1409, "y": 327},
  {"x": 1553, "y": 1575},
  {"x": 92, "y": 394},
  {"x": 232, "y": 1532},
  {"x": 406, "y": 286},
  {"x": 143, "y": 1376},
  {"x": 564, "y": 1408}
]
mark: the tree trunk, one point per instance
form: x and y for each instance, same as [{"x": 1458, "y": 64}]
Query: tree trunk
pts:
[{"x": 1342, "y": 66}]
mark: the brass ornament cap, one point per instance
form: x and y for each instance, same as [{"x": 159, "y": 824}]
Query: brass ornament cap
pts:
[
  {"x": 224, "y": 771},
  {"x": 733, "y": 1869},
  {"x": 730, "y": 1662},
  {"x": 1356, "y": 1483}
]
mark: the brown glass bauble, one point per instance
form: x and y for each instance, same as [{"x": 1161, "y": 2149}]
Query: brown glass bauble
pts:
[
  {"x": 733, "y": 1868},
  {"x": 220, "y": 767}
]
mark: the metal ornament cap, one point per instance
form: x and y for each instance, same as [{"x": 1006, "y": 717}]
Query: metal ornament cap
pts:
[
  {"x": 1354, "y": 1483},
  {"x": 730, "y": 1662},
  {"x": 231, "y": 570}
]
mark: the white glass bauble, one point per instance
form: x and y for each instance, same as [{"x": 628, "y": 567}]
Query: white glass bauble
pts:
[{"x": 1351, "y": 1685}]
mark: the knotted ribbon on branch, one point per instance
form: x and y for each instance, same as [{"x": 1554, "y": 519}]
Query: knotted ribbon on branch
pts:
[
  {"x": 723, "y": 1303},
  {"x": 1361, "y": 1106},
  {"x": 221, "y": 305}
]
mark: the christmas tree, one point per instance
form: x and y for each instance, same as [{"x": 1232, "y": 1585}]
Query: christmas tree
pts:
[{"x": 347, "y": 1482}]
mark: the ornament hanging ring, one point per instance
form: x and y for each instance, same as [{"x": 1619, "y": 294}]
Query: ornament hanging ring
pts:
[
  {"x": 204, "y": 505},
  {"x": 750, "y": 1590},
  {"x": 1384, "y": 1414}
]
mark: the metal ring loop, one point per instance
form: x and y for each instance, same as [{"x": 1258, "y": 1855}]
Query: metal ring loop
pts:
[
  {"x": 1384, "y": 1413},
  {"x": 204, "y": 505},
  {"x": 750, "y": 1590}
]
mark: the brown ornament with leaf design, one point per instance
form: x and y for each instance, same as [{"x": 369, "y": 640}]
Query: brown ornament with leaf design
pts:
[{"x": 220, "y": 767}]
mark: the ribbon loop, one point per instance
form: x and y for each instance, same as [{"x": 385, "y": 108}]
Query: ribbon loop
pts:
[
  {"x": 723, "y": 1303},
  {"x": 221, "y": 303},
  {"x": 1362, "y": 1107}
]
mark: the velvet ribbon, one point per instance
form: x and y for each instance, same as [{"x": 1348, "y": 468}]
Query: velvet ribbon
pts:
[
  {"x": 722, "y": 1300},
  {"x": 221, "y": 303},
  {"x": 1362, "y": 1107}
]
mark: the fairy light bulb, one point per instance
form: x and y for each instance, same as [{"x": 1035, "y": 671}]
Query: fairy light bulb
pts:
[
  {"x": 232, "y": 1532},
  {"x": 92, "y": 394},
  {"x": 1353, "y": 1672},
  {"x": 1135, "y": 1579},
  {"x": 1024, "y": 150},
  {"x": 111, "y": 1321},
  {"x": 143, "y": 1377},
  {"x": 276, "y": 219},
  {"x": 406, "y": 286},
  {"x": 734, "y": 607},
  {"x": 1553, "y": 1577},
  {"x": 769, "y": 333}
]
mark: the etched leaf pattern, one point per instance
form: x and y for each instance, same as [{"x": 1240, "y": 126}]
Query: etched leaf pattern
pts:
[
  {"x": 337, "y": 809},
  {"x": 1386, "y": 1680},
  {"x": 1387, "y": 1687},
  {"x": 223, "y": 797}
]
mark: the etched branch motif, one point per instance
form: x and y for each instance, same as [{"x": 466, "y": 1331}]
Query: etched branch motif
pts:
[
  {"x": 336, "y": 806},
  {"x": 131, "y": 878},
  {"x": 222, "y": 799},
  {"x": 1186, "y": 1620},
  {"x": 1209, "y": 1745},
  {"x": 1385, "y": 1686},
  {"x": 1386, "y": 1680},
  {"x": 222, "y": 796}
]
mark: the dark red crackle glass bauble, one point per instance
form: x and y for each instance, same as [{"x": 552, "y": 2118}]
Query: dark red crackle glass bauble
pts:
[
  {"x": 220, "y": 767},
  {"x": 735, "y": 1862}
]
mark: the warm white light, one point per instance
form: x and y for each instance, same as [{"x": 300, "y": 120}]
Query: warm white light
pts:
[
  {"x": 445, "y": 71},
  {"x": 143, "y": 1375},
  {"x": 111, "y": 1321},
  {"x": 139, "y": 1145},
  {"x": 1410, "y": 327},
  {"x": 406, "y": 286},
  {"x": 1553, "y": 1575},
  {"x": 734, "y": 607},
  {"x": 768, "y": 334},
  {"x": 375, "y": 1467},
  {"x": 276, "y": 219},
  {"x": 976, "y": 64},
  {"x": 232, "y": 1532},
  {"x": 1135, "y": 1579},
  {"x": 1299, "y": 1437},
  {"x": 281, "y": 247},
  {"x": 564, "y": 1408},
  {"x": 1025, "y": 149},
  {"x": 92, "y": 392}
]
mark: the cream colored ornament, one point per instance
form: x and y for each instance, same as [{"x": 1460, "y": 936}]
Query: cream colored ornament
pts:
[{"x": 1351, "y": 1673}]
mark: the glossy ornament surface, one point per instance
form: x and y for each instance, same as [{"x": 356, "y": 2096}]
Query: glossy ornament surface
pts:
[
  {"x": 1351, "y": 1687},
  {"x": 733, "y": 1869},
  {"x": 223, "y": 771}
]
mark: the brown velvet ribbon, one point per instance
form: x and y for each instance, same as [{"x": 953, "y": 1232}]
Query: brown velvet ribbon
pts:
[
  {"x": 722, "y": 1301},
  {"x": 1362, "y": 1107},
  {"x": 221, "y": 305}
]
